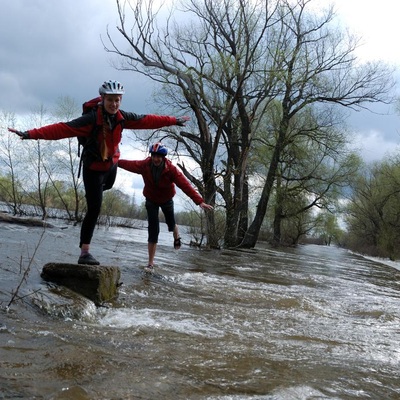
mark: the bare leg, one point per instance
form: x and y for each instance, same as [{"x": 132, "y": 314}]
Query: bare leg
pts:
[
  {"x": 85, "y": 248},
  {"x": 151, "y": 247},
  {"x": 177, "y": 241},
  {"x": 176, "y": 232}
]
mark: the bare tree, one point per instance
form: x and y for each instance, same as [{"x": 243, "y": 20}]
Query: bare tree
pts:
[
  {"x": 318, "y": 67},
  {"x": 67, "y": 160},
  {"x": 227, "y": 61},
  {"x": 213, "y": 65},
  {"x": 314, "y": 167},
  {"x": 39, "y": 164},
  {"x": 9, "y": 158}
]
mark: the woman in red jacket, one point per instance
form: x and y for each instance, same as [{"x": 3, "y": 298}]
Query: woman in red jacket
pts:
[
  {"x": 160, "y": 177},
  {"x": 101, "y": 155}
]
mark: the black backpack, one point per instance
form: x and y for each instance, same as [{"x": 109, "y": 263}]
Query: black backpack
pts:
[{"x": 90, "y": 149}]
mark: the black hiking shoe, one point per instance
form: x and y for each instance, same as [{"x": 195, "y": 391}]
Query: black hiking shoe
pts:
[
  {"x": 177, "y": 243},
  {"x": 88, "y": 259}
]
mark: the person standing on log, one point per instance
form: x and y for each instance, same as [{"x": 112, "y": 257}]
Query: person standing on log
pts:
[
  {"x": 160, "y": 177},
  {"x": 100, "y": 158}
]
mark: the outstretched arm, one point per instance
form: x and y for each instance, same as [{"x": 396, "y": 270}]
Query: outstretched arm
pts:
[
  {"x": 150, "y": 121},
  {"x": 81, "y": 126},
  {"x": 22, "y": 135},
  {"x": 183, "y": 183}
]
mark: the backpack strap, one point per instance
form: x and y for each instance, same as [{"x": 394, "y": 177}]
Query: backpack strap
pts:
[{"x": 87, "y": 107}]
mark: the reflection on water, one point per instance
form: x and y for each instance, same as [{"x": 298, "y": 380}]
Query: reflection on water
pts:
[{"x": 305, "y": 323}]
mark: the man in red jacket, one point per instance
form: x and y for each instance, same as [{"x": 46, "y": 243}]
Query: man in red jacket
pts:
[
  {"x": 101, "y": 157},
  {"x": 160, "y": 177}
]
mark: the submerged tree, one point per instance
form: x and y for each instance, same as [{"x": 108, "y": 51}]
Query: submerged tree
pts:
[
  {"x": 314, "y": 166},
  {"x": 317, "y": 69},
  {"x": 215, "y": 65},
  {"x": 226, "y": 62}
]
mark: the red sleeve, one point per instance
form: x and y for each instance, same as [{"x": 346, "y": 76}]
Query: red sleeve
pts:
[
  {"x": 183, "y": 183},
  {"x": 150, "y": 121},
  {"x": 81, "y": 126},
  {"x": 135, "y": 166},
  {"x": 58, "y": 131}
]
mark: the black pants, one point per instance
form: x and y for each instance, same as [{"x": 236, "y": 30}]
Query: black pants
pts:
[
  {"x": 95, "y": 183},
  {"x": 154, "y": 221}
]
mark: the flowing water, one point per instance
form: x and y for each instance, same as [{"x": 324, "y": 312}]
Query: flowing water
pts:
[{"x": 311, "y": 322}]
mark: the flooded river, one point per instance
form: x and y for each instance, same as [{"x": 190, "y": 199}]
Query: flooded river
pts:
[{"x": 306, "y": 323}]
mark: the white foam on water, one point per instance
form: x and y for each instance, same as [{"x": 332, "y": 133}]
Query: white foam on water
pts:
[
  {"x": 244, "y": 269},
  {"x": 302, "y": 392},
  {"x": 385, "y": 261},
  {"x": 197, "y": 278},
  {"x": 207, "y": 281},
  {"x": 241, "y": 397},
  {"x": 291, "y": 393},
  {"x": 158, "y": 319}
]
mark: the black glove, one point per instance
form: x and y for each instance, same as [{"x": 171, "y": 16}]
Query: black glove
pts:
[
  {"x": 22, "y": 135},
  {"x": 181, "y": 121}
]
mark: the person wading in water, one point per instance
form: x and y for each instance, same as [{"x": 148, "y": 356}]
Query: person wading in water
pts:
[{"x": 160, "y": 177}]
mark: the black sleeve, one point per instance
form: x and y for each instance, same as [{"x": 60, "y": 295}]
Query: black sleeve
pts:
[
  {"x": 84, "y": 120},
  {"x": 129, "y": 116}
]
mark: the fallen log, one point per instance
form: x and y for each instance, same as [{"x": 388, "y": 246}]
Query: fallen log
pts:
[{"x": 24, "y": 221}]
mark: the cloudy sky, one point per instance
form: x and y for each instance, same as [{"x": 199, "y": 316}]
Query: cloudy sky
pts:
[
  {"x": 53, "y": 48},
  {"x": 377, "y": 23}
]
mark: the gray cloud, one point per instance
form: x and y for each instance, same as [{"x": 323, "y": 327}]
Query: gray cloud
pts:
[{"x": 53, "y": 48}]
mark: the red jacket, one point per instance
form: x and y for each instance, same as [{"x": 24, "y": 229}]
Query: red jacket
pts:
[
  {"x": 165, "y": 190},
  {"x": 84, "y": 125}
]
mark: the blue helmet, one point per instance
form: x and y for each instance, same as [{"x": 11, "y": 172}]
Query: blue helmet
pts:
[{"x": 158, "y": 148}]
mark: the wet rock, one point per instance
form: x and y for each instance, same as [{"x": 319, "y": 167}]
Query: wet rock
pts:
[
  {"x": 98, "y": 283},
  {"x": 60, "y": 302}
]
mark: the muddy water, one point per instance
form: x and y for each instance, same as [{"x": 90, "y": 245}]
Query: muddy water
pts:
[{"x": 306, "y": 323}]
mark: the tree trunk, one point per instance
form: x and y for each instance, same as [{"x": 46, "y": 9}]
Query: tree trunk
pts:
[
  {"x": 210, "y": 189},
  {"x": 276, "y": 239},
  {"x": 244, "y": 213},
  {"x": 230, "y": 237},
  {"x": 251, "y": 236}
]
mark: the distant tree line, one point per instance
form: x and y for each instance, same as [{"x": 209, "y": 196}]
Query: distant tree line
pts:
[
  {"x": 59, "y": 201},
  {"x": 373, "y": 210}
]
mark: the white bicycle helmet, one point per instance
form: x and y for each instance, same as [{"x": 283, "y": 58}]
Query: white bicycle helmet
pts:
[{"x": 111, "y": 87}]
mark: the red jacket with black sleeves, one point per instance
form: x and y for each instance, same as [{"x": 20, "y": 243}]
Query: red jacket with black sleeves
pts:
[
  {"x": 165, "y": 189},
  {"x": 84, "y": 125}
]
